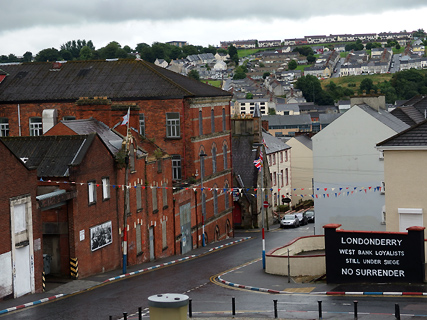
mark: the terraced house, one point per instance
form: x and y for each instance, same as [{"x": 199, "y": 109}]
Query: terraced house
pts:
[{"x": 179, "y": 129}]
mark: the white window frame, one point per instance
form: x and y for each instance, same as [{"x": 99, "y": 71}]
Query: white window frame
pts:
[
  {"x": 105, "y": 188},
  {"x": 173, "y": 125},
  {"x": 4, "y": 127},
  {"x": 91, "y": 186},
  {"x": 142, "y": 124},
  {"x": 36, "y": 126},
  {"x": 176, "y": 167}
]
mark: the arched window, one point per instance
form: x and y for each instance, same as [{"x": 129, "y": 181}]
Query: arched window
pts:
[
  {"x": 224, "y": 154},
  {"x": 213, "y": 159},
  {"x": 227, "y": 196}
]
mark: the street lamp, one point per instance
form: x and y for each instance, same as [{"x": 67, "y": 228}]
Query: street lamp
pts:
[
  {"x": 262, "y": 206},
  {"x": 202, "y": 173}
]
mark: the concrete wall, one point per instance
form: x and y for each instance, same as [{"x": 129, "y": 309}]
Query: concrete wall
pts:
[
  {"x": 301, "y": 265},
  {"x": 405, "y": 184},
  {"x": 302, "y": 170},
  {"x": 345, "y": 162}
]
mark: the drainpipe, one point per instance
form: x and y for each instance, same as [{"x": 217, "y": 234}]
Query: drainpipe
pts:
[
  {"x": 184, "y": 167},
  {"x": 19, "y": 119},
  {"x": 231, "y": 164}
]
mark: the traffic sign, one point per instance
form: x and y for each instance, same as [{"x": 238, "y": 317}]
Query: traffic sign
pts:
[{"x": 265, "y": 204}]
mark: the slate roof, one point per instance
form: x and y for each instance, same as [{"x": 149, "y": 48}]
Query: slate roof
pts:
[
  {"x": 415, "y": 136},
  {"x": 408, "y": 114},
  {"x": 306, "y": 141},
  {"x": 327, "y": 118},
  {"x": 51, "y": 155},
  {"x": 111, "y": 139},
  {"x": 117, "y": 80},
  {"x": 243, "y": 159},
  {"x": 273, "y": 144},
  {"x": 278, "y": 120},
  {"x": 386, "y": 118}
]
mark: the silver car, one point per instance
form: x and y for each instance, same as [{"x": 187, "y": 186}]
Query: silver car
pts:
[{"x": 289, "y": 220}]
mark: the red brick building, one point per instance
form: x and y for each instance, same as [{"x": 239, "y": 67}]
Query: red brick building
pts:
[
  {"x": 20, "y": 228},
  {"x": 180, "y": 118}
]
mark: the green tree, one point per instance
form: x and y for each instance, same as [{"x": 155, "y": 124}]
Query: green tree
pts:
[
  {"x": 234, "y": 56},
  {"x": 367, "y": 85},
  {"x": 265, "y": 75},
  {"x": 85, "y": 53},
  {"x": 28, "y": 56},
  {"x": 66, "y": 55},
  {"x": 249, "y": 95},
  {"x": 311, "y": 58},
  {"x": 292, "y": 65},
  {"x": 50, "y": 54},
  {"x": 271, "y": 111},
  {"x": 194, "y": 74}
]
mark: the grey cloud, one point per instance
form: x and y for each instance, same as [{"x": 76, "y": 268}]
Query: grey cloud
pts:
[{"x": 19, "y": 14}]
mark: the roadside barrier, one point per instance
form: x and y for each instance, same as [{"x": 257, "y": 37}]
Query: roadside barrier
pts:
[{"x": 275, "y": 311}]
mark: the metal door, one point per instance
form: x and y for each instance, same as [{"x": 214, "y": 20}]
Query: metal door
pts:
[
  {"x": 185, "y": 218},
  {"x": 22, "y": 265},
  {"x": 151, "y": 237}
]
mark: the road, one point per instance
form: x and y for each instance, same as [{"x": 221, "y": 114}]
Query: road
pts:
[{"x": 193, "y": 278}]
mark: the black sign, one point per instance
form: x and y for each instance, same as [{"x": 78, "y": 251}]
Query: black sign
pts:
[
  {"x": 374, "y": 256},
  {"x": 286, "y": 200}
]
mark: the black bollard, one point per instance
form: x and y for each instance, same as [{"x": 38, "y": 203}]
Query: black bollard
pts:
[
  {"x": 233, "y": 306},
  {"x": 111, "y": 317},
  {"x": 355, "y": 310},
  {"x": 397, "y": 311},
  {"x": 190, "y": 308},
  {"x": 320, "y": 308},
  {"x": 140, "y": 313},
  {"x": 275, "y": 309},
  {"x": 125, "y": 316}
]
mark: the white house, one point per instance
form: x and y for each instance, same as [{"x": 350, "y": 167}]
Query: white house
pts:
[
  {"x": 348, "y": 170},
  {"x": 279, "y": 162},
  {"x": 301, "y": 168}
]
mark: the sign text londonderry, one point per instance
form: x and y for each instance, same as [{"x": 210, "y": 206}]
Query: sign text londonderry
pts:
[
  {"x": 368, "y": 262},
  {"x": 369, "y": 256}
]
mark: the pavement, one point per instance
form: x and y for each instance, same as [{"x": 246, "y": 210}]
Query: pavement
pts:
[{"x": 249, "y": 276}]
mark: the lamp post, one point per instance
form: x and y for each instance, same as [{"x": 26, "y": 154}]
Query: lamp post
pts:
[
  {"x": 202, "y": 172},
  {"x": 126, "y": 192},
  {"x": 262, "y": 206}
]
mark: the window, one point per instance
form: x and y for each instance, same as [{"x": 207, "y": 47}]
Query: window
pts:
[
  {"x": 215, "y": 195},
  {"x": 286, "y": 176},
  {"x": 4, "y": 127},
  {"x": 172, "y": 125},
  {"x": 164, "y": 195},
  {"x": 36, "y": 126},
  {"x": 141, "y": 124},
  {"x": 281, "y": 177},
  {"x": 274, "y": 158},
  {"x": 138, "y": 191},
  {"x": 281, "y": 156},
  {"x": 154, "y": 198},
  {"x": 131, "y": 158},
  {"x": 202, "y": 167},
  {"x": 214, "y": 159},
  {"x": 200, "y": 123},
  {"x": 274, "y": 178},
  {"x": 224, "y": 151},
  {"x": 164, "y": 233},
  {"x": 91, "y": 192},
  {"x": 275, "y": 199},
  {"x": 105, "y": 188},
  {"x": 204, "y": 204},
  {"x": 226, "y": 197},
  {"x": 176, "y": 167},
  {"x": 223, "y": 120},
  {"x": 382, "y": 187},
  {"x": 213, "y": 120},
  {"x": 286, "y": 155},
  {"x": 138, "y": 239},
  {"x": 69, "y": 118}
]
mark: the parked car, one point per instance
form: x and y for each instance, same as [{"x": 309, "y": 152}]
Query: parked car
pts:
[
  {"x": 302, "y": 218},
  {"x": 289, "y": 220},
  {"x": 310, "y": 215}
]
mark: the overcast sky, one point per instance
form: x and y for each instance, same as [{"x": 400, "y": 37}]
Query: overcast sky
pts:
[{"x": 35, "y": 25}]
